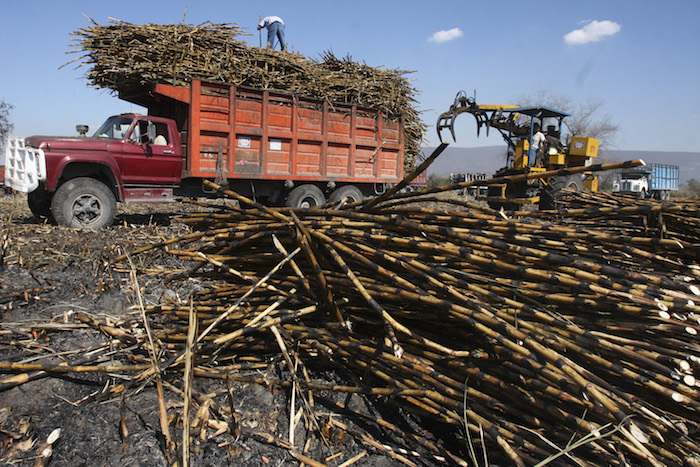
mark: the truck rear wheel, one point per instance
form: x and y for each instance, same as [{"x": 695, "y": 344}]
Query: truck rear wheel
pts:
[
  {"x": 39, "y": 202},
  {"x": 351, "y": 192},
  {"x": 84, "y": 202},
  {"x": 306, "y": 196}
]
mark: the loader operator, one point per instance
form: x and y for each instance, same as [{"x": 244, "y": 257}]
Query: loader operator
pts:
[
  {"x": 536, "y": 146},
  {"x": 553, "y": 143}
]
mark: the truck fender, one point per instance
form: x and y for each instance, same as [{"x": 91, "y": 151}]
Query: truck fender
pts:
[{"x": 96, "y": 166}]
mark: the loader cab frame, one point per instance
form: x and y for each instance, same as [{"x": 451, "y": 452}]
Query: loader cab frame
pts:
[{"x": 550, "y": 122}]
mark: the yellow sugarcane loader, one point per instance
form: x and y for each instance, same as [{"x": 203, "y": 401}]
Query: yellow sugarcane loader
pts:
[{"x": 533, "y": 136}]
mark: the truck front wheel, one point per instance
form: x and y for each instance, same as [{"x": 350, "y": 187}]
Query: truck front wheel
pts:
[
  {"x": 306, "y": 196},
  {"x": 84, "y": 203},
  {"x": 39, "y": 202}
]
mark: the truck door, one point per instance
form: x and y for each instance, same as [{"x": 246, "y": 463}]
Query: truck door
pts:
[{"x": 151, "y": 159}]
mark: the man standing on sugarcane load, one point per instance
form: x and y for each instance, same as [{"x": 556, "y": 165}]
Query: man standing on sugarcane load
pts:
[{"x": 275, "y": 30}]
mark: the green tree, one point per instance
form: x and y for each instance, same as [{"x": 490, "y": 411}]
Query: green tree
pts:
[
  {"x": 435, "y": 180},
  {"x": 606, "y": 179},
  {"x": 5, "y": 125},
  {"x": 694, "y": 186}
]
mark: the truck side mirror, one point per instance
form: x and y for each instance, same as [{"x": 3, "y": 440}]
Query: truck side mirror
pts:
[{"x": 151, "y": 131}]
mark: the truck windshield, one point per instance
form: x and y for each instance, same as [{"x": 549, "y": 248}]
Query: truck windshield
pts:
[{"x": 114, "y": 127}]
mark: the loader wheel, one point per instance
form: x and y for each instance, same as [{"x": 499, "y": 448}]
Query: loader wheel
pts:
[
  {"x": 306, "y": 196},
  {"x": 84, "y": 203},
  {"x": 39, "y": 202},
  {"x": 349, "y": 192},
  {"x": 552, "y": 193}
]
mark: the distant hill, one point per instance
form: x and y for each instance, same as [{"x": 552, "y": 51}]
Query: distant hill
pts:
[{"x": 488, "y": 159}]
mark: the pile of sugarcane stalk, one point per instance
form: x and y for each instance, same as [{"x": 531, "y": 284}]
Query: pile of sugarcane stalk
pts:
[
  {"x": 123, "y": 56},
  {"x": 518, "y": 338},
  {"x": 670, "y": 219},
  {"x": 530, "y": 341}
]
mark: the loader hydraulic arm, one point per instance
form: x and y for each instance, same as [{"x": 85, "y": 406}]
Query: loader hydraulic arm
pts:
[{"x": 490, "y": 116}]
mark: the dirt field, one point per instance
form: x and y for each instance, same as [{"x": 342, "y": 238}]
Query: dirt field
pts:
[{"x": 49, "y": 274}]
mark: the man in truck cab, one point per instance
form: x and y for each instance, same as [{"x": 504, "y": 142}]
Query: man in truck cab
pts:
[{"x": 160, "y": 140}]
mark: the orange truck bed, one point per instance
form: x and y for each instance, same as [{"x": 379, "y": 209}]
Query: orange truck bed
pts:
[{"x": 269, "y": 135}]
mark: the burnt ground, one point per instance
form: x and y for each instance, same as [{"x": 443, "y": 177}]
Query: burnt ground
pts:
[{"x": 50, "y": 274}]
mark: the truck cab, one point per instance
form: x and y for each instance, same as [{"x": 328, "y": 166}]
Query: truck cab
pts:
[
  {"x": 147, "y": 150},
  {"x": 632, "y": 183},
  {"x": 78, "y": 180}
]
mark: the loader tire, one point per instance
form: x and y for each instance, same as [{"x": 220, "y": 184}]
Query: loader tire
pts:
[
  {"x": 85, "y": 203},
  {"x": 39, "y": 202},
  {"x": 552, "y": 192},
  {"x": 305, "y": 196}
]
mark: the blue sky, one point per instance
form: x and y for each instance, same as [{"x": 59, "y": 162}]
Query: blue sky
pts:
[{"x": 640, "y": 58}]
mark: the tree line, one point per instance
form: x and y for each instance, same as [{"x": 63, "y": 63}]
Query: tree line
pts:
[{"x": 5, "y": 125}]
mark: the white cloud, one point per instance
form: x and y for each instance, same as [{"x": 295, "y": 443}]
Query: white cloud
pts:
[
  {"x": 592, "y": 32},
  {"x": 446, "y": 35}
]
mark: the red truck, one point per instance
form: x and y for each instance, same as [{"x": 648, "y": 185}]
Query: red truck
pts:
[{"x": 278, "y": 148}]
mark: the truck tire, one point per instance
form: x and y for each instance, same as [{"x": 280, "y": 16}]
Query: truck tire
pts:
[
  {"x": 351, "y": 192},
  {"x": 662, "y": 195},
  {"x": 306, "y": 196},
  {"x": 552, "y": 192},
  {"x": 39, "y": 202},
  {"x": 84, "y": 202}
]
